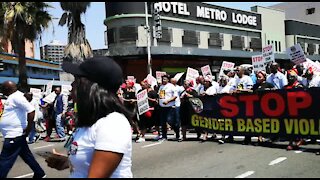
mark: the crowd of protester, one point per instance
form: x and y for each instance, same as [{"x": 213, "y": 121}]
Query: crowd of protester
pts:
[{"x": 169, "y": 105}]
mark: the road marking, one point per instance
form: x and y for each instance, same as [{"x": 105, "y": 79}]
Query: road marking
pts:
[
  {"x": 150, "y": 145},
  {"x": 299, "y": 151},
  {"x": 246, "y": 174},
  {"x": 276, "y": 161},
  {"x": 44, "y": 146},
  {"x": 26, "y": 175}
]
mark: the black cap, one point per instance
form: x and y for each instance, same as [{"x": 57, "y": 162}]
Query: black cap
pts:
[{"x": 102, "y": 70}]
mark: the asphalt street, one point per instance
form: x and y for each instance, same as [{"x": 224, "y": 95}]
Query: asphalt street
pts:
[{"x": 194, "y": 159}]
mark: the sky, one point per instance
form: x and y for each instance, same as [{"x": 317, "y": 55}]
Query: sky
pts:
[{"x": 93, "y": 21}]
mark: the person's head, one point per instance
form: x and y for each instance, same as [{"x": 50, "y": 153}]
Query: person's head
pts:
[
  {"x": 9, "y": 87},
  {"x": 57, "y": 90},
  {"x": 144, "y": 84},
  {"x": 223, "y": 81},
  {"x": 165, "y": 79},
  {"x": 129, "y": 84},
  {"x": 261, "y": 76},
  {"x": 292, "y": 76},
  {"x": 240, "y": 71},
  {"x": 28, "y": 96},
  {"x": 207, "y": 82},
  {"x": 231, "y": 74},
  {"x": 173, "y": 81},
  {"x": 226, "y": 71},
  {"x": 96, "y": 83},
  {"x": 187, "y": 84},
  {"x": 274, "y": 67},
  {"x": 300, "y": 69},
  {"x": 200, "y": 79}
]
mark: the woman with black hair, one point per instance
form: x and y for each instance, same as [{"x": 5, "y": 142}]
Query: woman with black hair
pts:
[{"x": 101, "y": 145}]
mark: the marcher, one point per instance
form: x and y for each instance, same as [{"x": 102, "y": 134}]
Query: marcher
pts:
[
  {"x": 60, "y": 107},
  {"x": 101, "y": 145},
  {"x": 276, "y": 78},
  {"x": 33, "y": 136},
  {"x": 16, "y": 123}
]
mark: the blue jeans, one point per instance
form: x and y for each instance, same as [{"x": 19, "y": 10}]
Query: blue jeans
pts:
[
  {"x": 177, "y": 123},
  {"x": 14, "y": 147},
  {"x": 32, "y": 132},
  {"x": 59, "y": 124},
  {"x": 167, "y": 116}
]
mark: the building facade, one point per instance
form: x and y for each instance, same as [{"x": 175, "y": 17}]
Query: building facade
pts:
[
  {"x": 54, "y": 51},
  {"x": 194, "y": 34},
  {"x": 29, "y": 48}
]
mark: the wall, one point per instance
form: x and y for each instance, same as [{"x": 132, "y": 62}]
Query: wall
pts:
[{"x": 273, "y": 27}]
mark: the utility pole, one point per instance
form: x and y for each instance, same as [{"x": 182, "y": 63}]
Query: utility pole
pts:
[{"x": 147, "y": 27}]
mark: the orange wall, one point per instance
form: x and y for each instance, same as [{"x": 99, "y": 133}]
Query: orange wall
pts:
[{"x": 29, "y": 48}]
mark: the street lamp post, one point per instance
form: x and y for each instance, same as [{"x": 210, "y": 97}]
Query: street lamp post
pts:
[{"x": 147, "y": 27}]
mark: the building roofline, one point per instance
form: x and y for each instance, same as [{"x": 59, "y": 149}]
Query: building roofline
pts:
[
  {"x": 302, "y": 21},
  {"x": 270, "y": 8}
]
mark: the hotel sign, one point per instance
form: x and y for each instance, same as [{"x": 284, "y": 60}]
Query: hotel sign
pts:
[{"x": 210, "y": 13}]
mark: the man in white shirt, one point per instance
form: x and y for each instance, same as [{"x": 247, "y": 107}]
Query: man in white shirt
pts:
[
  {"x": 244, "y": 82},
  {"x": 176, "y": 125},
  {"x": 167, "y": 96},
  {"x": 15, "y": 124},
  {"x": 278, "y": 79},
  {"x": 313, "y": 80}
]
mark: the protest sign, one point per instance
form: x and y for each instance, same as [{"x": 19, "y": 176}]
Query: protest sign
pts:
[
  {"x": 296, "y": 54},
  {"x": 282, "y": 113},
  {"x": 37, "y": 94},
  {"x": 192, "y": 74},
  {"x": 178, "y": 76},
  {"x": 159, "y": 74},
  {"x": 65, "y": 89},
  {"x": 142, "y": 101},
  {"x": 225, "y": 66},
  {"x": 206, "y": 70},
  {"x": 258, "y": 63},
  {"x": 151, "y": 80},
  {"x": 50, "y": 98},
  {"x": 49, "y": 87},
  {"x": 267, "y": 54}
]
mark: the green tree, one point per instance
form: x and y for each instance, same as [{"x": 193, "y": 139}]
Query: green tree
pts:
[
  {"x": 20, "y": 21},
  {"x": 78, "y": 47}
]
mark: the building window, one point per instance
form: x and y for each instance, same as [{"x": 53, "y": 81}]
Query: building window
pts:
[
  {"x": 276, "y": 45},
  {"x": 268, "y": 42},
  {"x": 110, "y": 35},
  {"x": 311, "y": 49},
  {"x": 128, "y": 33},
  {"x": 256, "y": 44},
  {"x": 190, "y": 37},
  {"x": 166, "y": 35},
  {"x": 279, "y": 46},
  {"x": 310, "y": 11},
  {"x": 237, "y": 42},
  {"x": 215, "y": 39}
]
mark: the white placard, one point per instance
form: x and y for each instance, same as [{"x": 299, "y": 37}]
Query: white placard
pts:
[
  {"x": 143, "y": 103},
  {"x": 226, "y": 65},
  {"x": 206, "y": 70},
  {"x": 65, "y": 89},
  {"x": 258, "y": 63},
  {"x": 296, "y": 54},
  {"x": 131, "y": 78},
  {"x": 192, "y": 74},
  {"x": 159, "y": 75},
  {"x": 50, "y": 98},
  {"x": 49, "y": 87},
  {"x": 267, "y": 54},
  {"x": 36, "y": 94},
  {"x": 178, "y": 76},
  {"x": 151, "y": 80},
  {"x": 309, "y": 63}
]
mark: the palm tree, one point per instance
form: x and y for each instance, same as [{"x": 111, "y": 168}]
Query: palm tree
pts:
[
  {"x": 78, "y": 47},
  {"x": 21, "y": 21}
]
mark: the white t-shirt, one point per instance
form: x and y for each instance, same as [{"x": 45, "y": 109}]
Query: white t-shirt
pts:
[
  {"x": 167, "y": 92},
  {"x": 179, "y": 90},
  {"x": 111, "y": 133},
  {"x": 245, "y": 82},
  {"x": 213, "y": 89},
  {"x": 14, "y": 118},
  {"x": 315, "y": 82},
  {"x": 279, "y": 80}
]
